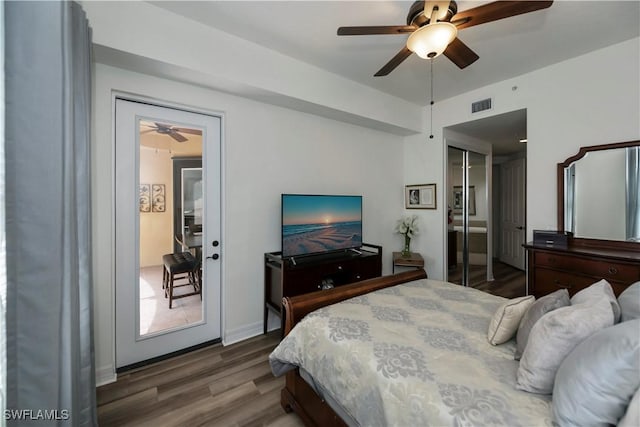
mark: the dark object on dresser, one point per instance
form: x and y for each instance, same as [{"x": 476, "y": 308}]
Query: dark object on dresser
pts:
[
  {"x": 288, "y": 277},
  {"x": 580, "y": 265},
  {"x": 555, "y": 239}
]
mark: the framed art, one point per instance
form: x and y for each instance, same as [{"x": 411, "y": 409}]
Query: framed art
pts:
[
  {"x": 145, "y": 198},
  {"x": 158, "y": 198},
  {"x": 421, "y": 196},
  {"x": 458, "y": 201}
]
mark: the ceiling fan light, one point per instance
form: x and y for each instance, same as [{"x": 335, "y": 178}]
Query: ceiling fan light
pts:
[{"x": 432, "y": 39}]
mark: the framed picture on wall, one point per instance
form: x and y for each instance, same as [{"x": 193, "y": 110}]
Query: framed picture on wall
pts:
[
  {"x": 420, "y": 196},
  {"x": 158, "y": 198},
  {"x": 145, "y": 198},
  {"x": 458, "y": 201}
]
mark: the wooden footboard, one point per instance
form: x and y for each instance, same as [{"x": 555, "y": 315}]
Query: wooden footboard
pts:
[
  {"x": 299, "y": 306},
  {"x": 297, "y": 395}
]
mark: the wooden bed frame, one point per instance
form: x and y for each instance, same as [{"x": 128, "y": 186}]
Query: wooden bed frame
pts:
[{"x": 297, "y": 395}]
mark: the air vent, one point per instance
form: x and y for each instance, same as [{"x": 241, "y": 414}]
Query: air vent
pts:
[{"x": 483, "y": 105}]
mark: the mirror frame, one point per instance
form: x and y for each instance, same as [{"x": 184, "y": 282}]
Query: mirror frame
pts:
[{"x": 560, "y": 200}]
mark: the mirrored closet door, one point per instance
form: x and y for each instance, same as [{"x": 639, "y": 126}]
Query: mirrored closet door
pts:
[{"x": 468, "y": 217}]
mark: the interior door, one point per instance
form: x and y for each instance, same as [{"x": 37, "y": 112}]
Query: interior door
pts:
[
  {"x": 513, "y": 213},
  {"x": 148, "y": 138}
]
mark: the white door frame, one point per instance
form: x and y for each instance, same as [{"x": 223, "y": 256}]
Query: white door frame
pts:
[
  {"x": 518, "y": 204},
  {"x": 187, "y": 109}
]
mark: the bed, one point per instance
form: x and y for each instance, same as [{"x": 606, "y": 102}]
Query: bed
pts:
[{"x": 401, "y": 350}]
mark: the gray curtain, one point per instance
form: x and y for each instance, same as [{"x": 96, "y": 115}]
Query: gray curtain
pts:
[
  {"x": 50, "y": 361},
  {"x": 633, "y": 193}
]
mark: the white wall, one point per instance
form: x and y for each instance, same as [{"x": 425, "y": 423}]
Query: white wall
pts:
[
  {"x": 589, "y": 100},
  {"x": 267, "y": 151}
]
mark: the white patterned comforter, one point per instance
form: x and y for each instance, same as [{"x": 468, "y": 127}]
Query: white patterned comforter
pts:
[{"x": 415, "y": 354}]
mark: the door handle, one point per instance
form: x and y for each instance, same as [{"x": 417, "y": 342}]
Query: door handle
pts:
[
  {"x": 520, "y": 228},
  {"x": 214, "y": 256}
]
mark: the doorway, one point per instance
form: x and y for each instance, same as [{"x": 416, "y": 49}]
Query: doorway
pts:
[
  {"x": 167, "y": 165},
  {"x": 503, "y": 135}
]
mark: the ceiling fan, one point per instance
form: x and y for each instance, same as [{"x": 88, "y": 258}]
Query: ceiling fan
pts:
[
  {"x": 173, "y": 132},
  {"x": 433, "y": 27}
]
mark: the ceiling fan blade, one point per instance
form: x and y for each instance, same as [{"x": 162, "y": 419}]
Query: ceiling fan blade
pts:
[
  {"x": 162, "y": 125},
  {"x": 177, "y": 137},
  {"x": 363, "y": 31},
  {"x": 460, "y": 54},
  {"x": 188, "y": 131},
  {"x": 497, "y": 10},
  {"x": 395, "y": 61},
  {"x": 147, "y": 131}
]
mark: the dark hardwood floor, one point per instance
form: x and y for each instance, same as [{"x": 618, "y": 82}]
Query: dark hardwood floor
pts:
[
  {"x": 509, "y": 282},
  {"x": 213, "y": 386},
  {"x": 223, "y": 386}
]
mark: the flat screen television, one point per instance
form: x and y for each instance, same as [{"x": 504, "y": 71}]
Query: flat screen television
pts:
[{"x": 314, "y": 224}]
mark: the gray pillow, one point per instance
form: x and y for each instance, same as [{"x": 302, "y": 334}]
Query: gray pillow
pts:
[
  {"x": 553, "y": 337},
  {"x": 600, "y": 289},
  {"x": 597, "y": 380},
  {"x": 542, "y": 306},
  {"x": 629, "y": 301}
]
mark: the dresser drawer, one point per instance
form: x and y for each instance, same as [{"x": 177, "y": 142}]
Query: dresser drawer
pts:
[
  {"x": 599, "y": 269},
  {"x": 546, "y": 281}
]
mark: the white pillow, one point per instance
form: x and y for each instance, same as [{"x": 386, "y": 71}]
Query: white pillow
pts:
[
  {"x": 553, "y": 337},
  {"x": 542, "y": 306},
  {"x": 631, "y": 418},
  {"x": 629, "y": 301},
  {"x": 596, "y": 381},
  {"x": 506, "y": 319},
  {"x": 600, "y": 289}
]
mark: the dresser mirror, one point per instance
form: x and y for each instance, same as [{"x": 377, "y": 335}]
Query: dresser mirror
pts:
[{"x": 599, "y": 193}]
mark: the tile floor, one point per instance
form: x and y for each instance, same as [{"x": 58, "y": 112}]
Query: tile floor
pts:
[{"x": 155, "y": 314}]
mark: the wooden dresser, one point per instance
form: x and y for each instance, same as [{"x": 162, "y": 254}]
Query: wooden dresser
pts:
[
  {"x": 579, "y": 266},
  {"x": 286, "y": 278}
]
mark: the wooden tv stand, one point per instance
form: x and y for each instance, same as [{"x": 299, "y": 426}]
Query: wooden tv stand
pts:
[{"x": 287, "y": 277}]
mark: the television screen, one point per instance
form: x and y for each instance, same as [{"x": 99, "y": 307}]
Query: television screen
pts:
[{"x": 314, "y": 224}]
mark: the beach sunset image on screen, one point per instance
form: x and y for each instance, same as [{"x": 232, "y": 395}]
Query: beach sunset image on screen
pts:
[{"x": 314, "y": 224}]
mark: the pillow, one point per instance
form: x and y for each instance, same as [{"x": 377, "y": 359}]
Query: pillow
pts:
[
  {"x": 553, "y": 337},
  {"x": 506, "y": 319},
  {"x": 598, "y": 379},
  {"x": 601, "y": 289},
  {"x": 542, "y": 306},
  {"x": 629, "y": 301},
  {"x": 632, "y": 416}
]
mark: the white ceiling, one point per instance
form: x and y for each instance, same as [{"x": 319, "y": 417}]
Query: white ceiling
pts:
[{"x": 306, "y": 30}]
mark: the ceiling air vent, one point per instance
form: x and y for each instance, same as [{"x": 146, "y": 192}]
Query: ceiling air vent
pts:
[{"x": 483, "y": 105}]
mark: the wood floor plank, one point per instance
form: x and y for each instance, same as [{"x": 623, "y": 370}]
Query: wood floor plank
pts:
[
  {"x": 217, "y": 385},
  {"x": 220, "y": 370},
  {"x": 261, "y": 409},
  {"x": 224, "y": 383},
  {"x": 112, "y": 412}
]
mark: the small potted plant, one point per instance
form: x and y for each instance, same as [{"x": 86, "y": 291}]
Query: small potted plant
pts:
[{"x": 407, "y": 226}]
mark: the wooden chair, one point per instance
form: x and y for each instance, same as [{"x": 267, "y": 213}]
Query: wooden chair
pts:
[{"x": 178, "y": 268}]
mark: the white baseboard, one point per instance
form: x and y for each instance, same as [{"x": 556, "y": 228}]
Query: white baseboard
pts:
[{"x": 105, "y": 375}]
